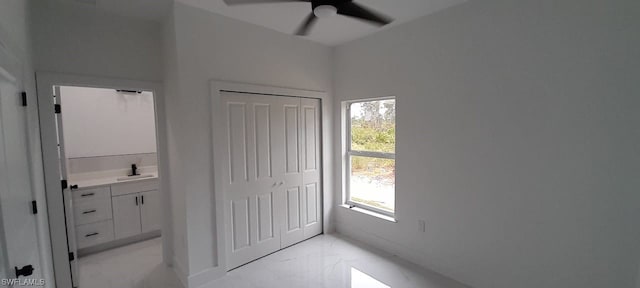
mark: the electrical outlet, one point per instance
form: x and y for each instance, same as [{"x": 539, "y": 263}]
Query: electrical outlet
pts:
[{"x": 421, "y": 226}]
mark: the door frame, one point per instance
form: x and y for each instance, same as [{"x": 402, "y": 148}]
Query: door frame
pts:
[
  {"x": 219, "y": 136},
  {"x": 55, "y": 203}
]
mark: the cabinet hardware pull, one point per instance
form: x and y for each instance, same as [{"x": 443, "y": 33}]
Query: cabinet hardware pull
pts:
[
  {"x": 90, "y": 211},
  {"x": 87, "y": 194},
  {"x": 91, "y": 234},
  {"x": 142, "y": 199},
  {"x": 136, "y": 200}
]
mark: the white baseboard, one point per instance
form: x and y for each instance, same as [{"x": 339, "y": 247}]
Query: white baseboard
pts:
[
  {"x": 203, "y": 277},
  {"x": 180, "y": 271},
  {"x": 409, "y": 254}
]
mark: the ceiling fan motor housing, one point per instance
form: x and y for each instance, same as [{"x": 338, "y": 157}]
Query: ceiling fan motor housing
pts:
[
  {"x": 327, "y": 9},
  {"x": 334, "y": 3}
]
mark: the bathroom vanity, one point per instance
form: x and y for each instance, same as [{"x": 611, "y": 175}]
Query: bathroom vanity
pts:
[{"x": 111, "y": 212}]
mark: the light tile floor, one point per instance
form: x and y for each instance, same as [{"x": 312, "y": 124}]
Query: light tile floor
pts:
[
  {"x": 138, "y": 265},
  {"x": 324, "y": 261}
]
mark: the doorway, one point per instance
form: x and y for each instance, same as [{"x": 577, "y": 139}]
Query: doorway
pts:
[{"x": 103, "y": 171}]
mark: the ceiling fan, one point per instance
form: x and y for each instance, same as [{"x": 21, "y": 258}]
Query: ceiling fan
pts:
[{"x": 325, "y": 9}]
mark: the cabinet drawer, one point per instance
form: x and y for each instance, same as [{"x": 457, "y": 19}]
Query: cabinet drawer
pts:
[
  {"x": 94, "y": 233},
  {"x": 90, "y": 211},
  {"x": 91, "y": 193},
  {"x": 134, "y": 187}
]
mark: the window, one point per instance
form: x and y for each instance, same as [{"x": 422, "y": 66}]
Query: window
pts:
[{"x": 370, "y": 158}]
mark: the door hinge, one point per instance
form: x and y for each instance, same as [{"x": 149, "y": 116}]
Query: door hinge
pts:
[
  {"x": 24, "y": 98},
  {"x": 72, "y": 256},
  {"x": 64, "y": 184},
  {"x": 58, "y": 108},
  {"x": 24, "y": 271},
  {"x": 34, "y": 207}
]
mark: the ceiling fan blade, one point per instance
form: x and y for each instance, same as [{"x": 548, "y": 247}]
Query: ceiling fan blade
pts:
[
  {"x": 243, "y": 2},
  {"x": 306, "y": 25},
  {"x": 355, "y": 10}
]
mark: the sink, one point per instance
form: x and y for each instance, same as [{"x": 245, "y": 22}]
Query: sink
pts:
[{"x": 126, "y": 178}]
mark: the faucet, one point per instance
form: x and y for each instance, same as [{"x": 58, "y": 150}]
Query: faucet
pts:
[{"x": 134, "y": 170}]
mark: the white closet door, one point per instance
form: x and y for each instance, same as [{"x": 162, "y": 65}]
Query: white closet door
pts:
[
  {"x": 250, "y": 182},
  {"x": 272, "y": 179},
  {"x": 290, "y": 145},
  {"x": 311, "y": 167}
]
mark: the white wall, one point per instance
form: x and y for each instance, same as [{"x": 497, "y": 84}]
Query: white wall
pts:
[
  {"x": 518, "y": 140},
  {"x": 210, "y": 46},
  {"x": 104, "y": 122},
  {"x": 15, "y": 28},
  {"x": 178, "y": 208},
  {"x": 79, "y": 39}
]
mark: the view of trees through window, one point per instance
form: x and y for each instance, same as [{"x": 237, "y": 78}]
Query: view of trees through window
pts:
[{"x": 373, "y": 141}]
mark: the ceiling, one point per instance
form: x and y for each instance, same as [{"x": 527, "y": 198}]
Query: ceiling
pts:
[
  {"x": 283, "y": 17},
  {"x": 142, "y": 9},
  {"x": 286, "y": 17}
]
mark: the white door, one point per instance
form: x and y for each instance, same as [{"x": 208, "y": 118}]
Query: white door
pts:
[
  {"x": 311, "y": 167},
  {"x": 68, "y": 203},
  {"x": 268, "y": 203},
  {"x": 20, "y": 238},
  {"x": 150, "y": 211},
  {"x": 126, "y": 215},
  {"x": 251, "y": 182},
  {"x": 289, "y": 145}
]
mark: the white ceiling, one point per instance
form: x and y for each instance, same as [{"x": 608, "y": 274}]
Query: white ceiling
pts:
[
  {"x": 142, "y": 9},
  {"x": 285, "y": 17}
]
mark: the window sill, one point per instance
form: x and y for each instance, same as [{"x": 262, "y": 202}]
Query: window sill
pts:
[{"x": 370, "y": 213}]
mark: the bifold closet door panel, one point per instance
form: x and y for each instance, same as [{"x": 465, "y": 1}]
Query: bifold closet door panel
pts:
[
  {"x": 311, "y": 167},
  {"x": 293, "y": 191},
  {"x": 250, "y": 185}
]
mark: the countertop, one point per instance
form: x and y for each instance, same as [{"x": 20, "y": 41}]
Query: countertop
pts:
[{"x": 86, "y": 182}]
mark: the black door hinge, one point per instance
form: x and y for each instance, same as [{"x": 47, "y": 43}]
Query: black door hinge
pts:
[
  {"x": 34, "y": 207},
  {"x": 57, "y": 108},
  {"x": 64, "y": 184},
  {"x": 24, "y": 98},
  {"x": 24, "y": 271},
  {"x": 72, "y": 256}
]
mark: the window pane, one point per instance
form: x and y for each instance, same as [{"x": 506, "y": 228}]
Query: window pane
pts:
[
  {"x": 373, "y": 126},
  {"x": 373, "y": 182}
]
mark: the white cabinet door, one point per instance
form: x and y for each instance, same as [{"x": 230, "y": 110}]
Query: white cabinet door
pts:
[
  {"x": 150, "y": 212},
  {"x": 126, "y": 215}
]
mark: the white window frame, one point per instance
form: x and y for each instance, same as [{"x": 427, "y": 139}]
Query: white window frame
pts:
[{"x": 349, "y": 153}]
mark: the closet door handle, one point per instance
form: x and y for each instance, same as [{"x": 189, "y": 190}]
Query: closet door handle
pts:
[
  {"x": 136, "y": 200},
  {"x": 89, "y": 211},
  {"x": 281, "y": 182}
]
